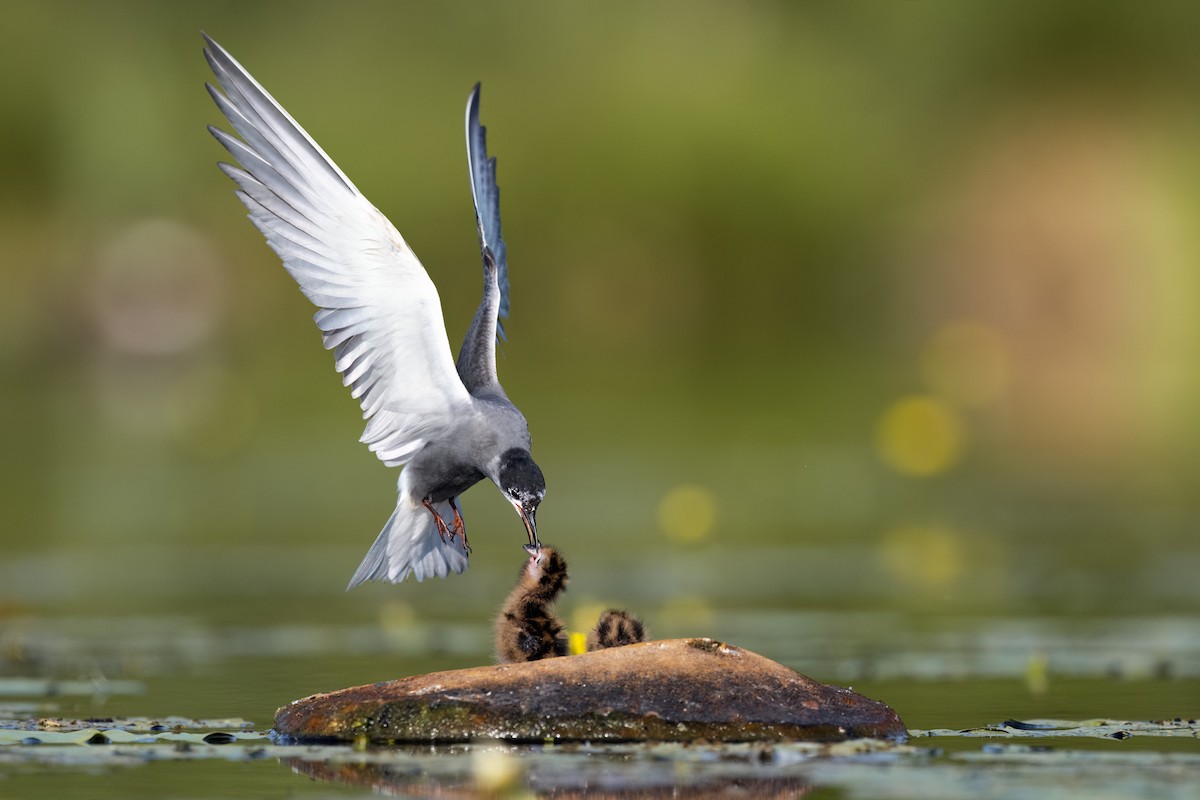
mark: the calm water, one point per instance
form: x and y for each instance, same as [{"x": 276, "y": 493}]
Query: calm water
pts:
[{"x": 948, "y": 673}]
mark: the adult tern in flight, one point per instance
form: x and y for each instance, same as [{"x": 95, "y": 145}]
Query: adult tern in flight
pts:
[{"x": 449, "y": 423}]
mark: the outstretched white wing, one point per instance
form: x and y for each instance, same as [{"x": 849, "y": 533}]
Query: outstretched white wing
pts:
[{"x": 379, "y": 311}]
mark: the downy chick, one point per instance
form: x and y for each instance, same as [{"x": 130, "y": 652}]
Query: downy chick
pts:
[
  {"x": 616, "y": 628},
  {"x": 526, "y": 627}
]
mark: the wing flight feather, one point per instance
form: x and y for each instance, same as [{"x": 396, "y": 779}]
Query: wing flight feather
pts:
[
  {"x": 477, "y": 357},
  {"x": 378, "y": 310}
]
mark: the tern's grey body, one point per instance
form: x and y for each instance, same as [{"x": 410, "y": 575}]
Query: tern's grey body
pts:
[{"x": 450, "y": 423}]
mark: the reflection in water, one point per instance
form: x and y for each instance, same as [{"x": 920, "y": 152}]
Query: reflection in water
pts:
[{"x": 491, "y": 771}]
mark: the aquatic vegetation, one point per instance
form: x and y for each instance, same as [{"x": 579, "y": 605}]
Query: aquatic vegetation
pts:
[
  {"x": 860, "y": 768},
  {"x": 125, "y": 730},
  {"x": 1092, "y": 728}
]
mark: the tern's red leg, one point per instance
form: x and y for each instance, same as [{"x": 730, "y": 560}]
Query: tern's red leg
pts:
[
  {"x": 459, "y": 526},
  {"x": 442, "y": 529}
]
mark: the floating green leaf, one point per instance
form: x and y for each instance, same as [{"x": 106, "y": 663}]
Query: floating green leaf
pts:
[{"x": 1093, "y": 728}]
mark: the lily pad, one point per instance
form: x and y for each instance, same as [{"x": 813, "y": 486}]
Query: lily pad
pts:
[
  {"x": 1092, "y": 728},
  {"x": 127, "y": 730}
]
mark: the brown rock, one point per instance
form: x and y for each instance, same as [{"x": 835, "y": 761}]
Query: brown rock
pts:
[{"x": 672, "y": 690}]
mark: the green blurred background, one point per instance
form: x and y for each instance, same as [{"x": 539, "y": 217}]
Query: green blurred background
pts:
[{"x": 815, "y": 307}]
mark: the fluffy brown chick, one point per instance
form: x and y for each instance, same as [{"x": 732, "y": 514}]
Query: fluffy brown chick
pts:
[
  {"x": 526, "y": 627},
  {"x": 616, "y": 628}
]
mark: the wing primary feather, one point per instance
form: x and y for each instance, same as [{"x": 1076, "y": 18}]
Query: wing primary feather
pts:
[
  {"x": 262, "y": 101},
  {"x": 262, "y": 173},
  {"x": 271, "y": 201},
  {"x": 261, "y": 142}
]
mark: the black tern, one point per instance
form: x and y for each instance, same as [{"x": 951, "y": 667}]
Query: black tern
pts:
[{"x": 448, "y": 423}]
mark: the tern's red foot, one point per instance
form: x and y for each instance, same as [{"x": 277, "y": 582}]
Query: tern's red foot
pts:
[
  {"x": 459, "y": 526},
  {"x": 442, "y": 528}
]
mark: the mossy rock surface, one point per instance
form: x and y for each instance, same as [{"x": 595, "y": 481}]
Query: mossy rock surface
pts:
[{"x": 671, "y": 690}]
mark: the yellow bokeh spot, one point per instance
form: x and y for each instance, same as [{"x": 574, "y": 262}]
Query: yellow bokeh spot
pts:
[
  {"x": 920, "y": 436},
  {"x": 576, "y": 643},
  {"x": 966, "y": 363},
  {"x": 687, "y": 513},
  {"x": 926, "y": 557}
]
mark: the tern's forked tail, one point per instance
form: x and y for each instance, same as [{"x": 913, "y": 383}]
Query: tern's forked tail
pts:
[{"x": 409, "y": 544}]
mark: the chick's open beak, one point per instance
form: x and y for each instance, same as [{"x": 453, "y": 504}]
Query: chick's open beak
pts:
[{"x": 529, "y": 518}]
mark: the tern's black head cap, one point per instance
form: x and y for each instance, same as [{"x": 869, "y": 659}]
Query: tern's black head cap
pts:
[{"x": 521, "y": 479}]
